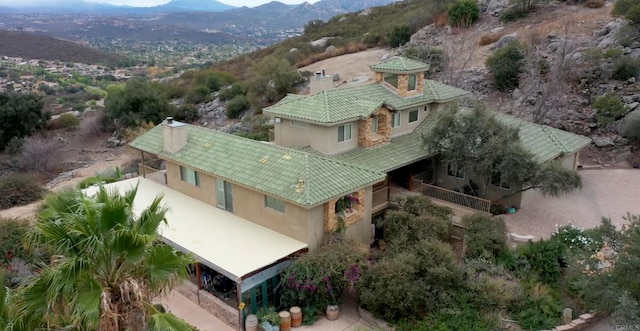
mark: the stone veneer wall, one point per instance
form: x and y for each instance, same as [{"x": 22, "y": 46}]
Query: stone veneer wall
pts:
[
  {"x": 366, "y": 138},
  {"x": 331, "y": 219},
  {"x": 212, "y": 304}
]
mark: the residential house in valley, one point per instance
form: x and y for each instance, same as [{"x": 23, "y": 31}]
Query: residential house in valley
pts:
[{"x": 244, "y": 207}]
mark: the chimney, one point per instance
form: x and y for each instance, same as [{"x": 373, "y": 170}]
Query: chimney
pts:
[
  {"x": 174, "y": 134},
  {"x": 320, "y": 82}
]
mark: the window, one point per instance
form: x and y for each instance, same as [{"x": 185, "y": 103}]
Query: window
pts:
[
  {"x": 344, "y": 133},
  {"x": 224, "y": 194},
  {"x": 273, "y": 203},
  {"x": 396, "y": 120},
  {"x": 190, "y": 176},
  {"x": 426, "y": 108},
  {"x": 374, "y": 124},
  {"x": 391, "y": 79},
  {"x": 299, "y": 124},
  {"x": 413, "y": 115},
  {"x": 497, "y": 181},
  {"x": 412, "y": 82},
  {"x": 453, "y": 172}
]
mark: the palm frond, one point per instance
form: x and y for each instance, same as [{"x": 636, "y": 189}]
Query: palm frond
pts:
[{"x": 167, "y": 322}]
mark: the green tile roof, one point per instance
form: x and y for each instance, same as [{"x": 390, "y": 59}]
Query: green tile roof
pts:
[
  {"x": 264, "y": 167},
  {"x": 544, "y": 142},
  {"x": 350, "y": 103},
  {"x": 397, "y": 153},
  {"x": 398, "y": 64}
]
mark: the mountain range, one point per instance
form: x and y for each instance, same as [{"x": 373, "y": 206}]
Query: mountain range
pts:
[{"x": 326, "y": 7}]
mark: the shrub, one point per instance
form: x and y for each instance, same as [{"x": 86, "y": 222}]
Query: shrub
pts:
[
  {"x": 625, "y": 67},
  {"x": 229, "y": 93},
  {"x": 631, "y": 130},
  {"x": 513, "y": 14},
  {"x": 633, "y": 15},
  {"x": 39, "y": 154},
  {"x": 545, "y": 259},
  {"x": 630, "y": 9},
  {"x": 12, "y": 232},
  {"x": 67, "y": 121},
  {"x": 237, "y": 105},
  {"x": 489, "y": 38},
  {"x": 506, "y": 65},
  {"x": 626, "y": 36},
  {"x": 609, "y": 107},
  {"x": 491, "y": 286},
  {"x": 318, "y": 279},
  {"x": 574, "y": 238},
  {"x": 198, "y": 94},
  {"x": 434, "y": 56},
  {"x": 400, "y": 35},
  {"x": 410, "y": 284},
  {"x": 19, "y": 190},
  {"x": 540, "y": 310},
  {"x": 187, "y": 113},
  {"x": 463, "y": 13},
  {"x": 485, "y": 236},
  {"x": 594, "y": 3}
]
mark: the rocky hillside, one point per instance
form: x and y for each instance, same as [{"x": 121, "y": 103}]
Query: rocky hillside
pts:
[{"x": 582, "y": 52}]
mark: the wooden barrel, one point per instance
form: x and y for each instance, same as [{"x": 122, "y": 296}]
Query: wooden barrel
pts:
[
  {"x": 285, "y": 320},
  {"x": 296, "y": 316},
  {"x": 251, "y": 323}
]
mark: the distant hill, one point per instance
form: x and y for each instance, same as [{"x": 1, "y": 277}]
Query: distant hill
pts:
[
  {"x": 275, "y": 15},
  {"x": 82, "y": 7},
  {"x": 33, "y": 46}
]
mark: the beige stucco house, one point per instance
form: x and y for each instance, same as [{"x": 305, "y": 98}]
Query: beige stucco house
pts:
[{"x": 244, "y": 207}]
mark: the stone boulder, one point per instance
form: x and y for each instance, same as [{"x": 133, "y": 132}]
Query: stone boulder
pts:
[
  {"x": 495, "y": 7},
  {"x": 425, "y": 36},
  {"x": 322, "y": 42},
  {"x": 504, "y": 41}
]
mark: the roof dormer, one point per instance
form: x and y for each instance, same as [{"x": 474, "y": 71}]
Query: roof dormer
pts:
[{"x": 402, "y": 75}]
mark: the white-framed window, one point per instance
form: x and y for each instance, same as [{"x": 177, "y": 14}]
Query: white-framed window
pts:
[
  {"x": 374, "y": 124},
  {"x": 274, "y": 203},
  {"x": 190, "y": 176},
  {"x": 395, "y": 122},
  {"x": 497, "y": 181},
  {"x": 412, "y": 82},
  {"x": 413, "y": 115},
  {"x": 224, "y": 194},
  {"x": 453, "y": 172},
  {"x": 299, "y": 124},
  {"x": 344, "y": 132}
]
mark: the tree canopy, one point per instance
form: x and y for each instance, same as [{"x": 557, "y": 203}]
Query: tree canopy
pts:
[
  {"x": 273, "y": 78},
  {"x": 107, "y": 264},
  {"x": 137, "y": 102},
  {"x": 20, "y": 116},
  {"x": 476, "y": 141}
]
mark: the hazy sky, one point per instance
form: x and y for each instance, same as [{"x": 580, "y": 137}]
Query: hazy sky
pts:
[{"x": 147, "y": 3}]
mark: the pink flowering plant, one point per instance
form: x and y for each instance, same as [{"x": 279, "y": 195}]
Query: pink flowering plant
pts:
[{"x": 318, "y": 279}]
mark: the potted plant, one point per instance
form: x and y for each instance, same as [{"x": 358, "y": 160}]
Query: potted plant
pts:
[{"x": 268, "y": 319}]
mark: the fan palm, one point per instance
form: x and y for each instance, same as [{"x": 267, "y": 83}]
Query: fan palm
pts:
[{"x": 106, "y": 267}]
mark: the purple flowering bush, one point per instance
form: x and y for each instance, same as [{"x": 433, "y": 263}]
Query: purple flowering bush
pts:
[{"x": 318, "y": 279}]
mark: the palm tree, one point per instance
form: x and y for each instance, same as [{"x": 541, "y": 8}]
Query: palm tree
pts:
[{"x": 107, "y": 264}]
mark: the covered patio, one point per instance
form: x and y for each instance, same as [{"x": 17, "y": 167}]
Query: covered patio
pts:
[{"x": 249, "y": 255}]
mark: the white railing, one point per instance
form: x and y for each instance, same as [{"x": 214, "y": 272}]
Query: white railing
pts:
[{"x": 457, "y": 198}]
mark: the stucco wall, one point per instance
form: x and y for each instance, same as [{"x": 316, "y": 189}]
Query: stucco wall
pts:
[
  {"x": 406, "y": 127},
  {"x": 247, "y": 204},
  {"x": 361, "y": 231},
  {"x": 570, "y": 161},
  {"x": 250, "y": 205},
  {"x": 323, "y": 139},
  {"x": 315, "y": 227}
]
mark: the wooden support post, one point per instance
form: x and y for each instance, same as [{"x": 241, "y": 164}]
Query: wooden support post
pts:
[
  {"x": 239, "y": 298},
  {"x": 410, "y": 180},
  {"x": 144, "y": 170},
  {"x": 199, "y": 275}
]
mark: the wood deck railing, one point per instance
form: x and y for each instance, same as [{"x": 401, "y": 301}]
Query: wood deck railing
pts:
[{"x": 458, "y": 198}]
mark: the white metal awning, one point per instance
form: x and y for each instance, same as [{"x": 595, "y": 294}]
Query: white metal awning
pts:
[{"x": 219, "y": 239}]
